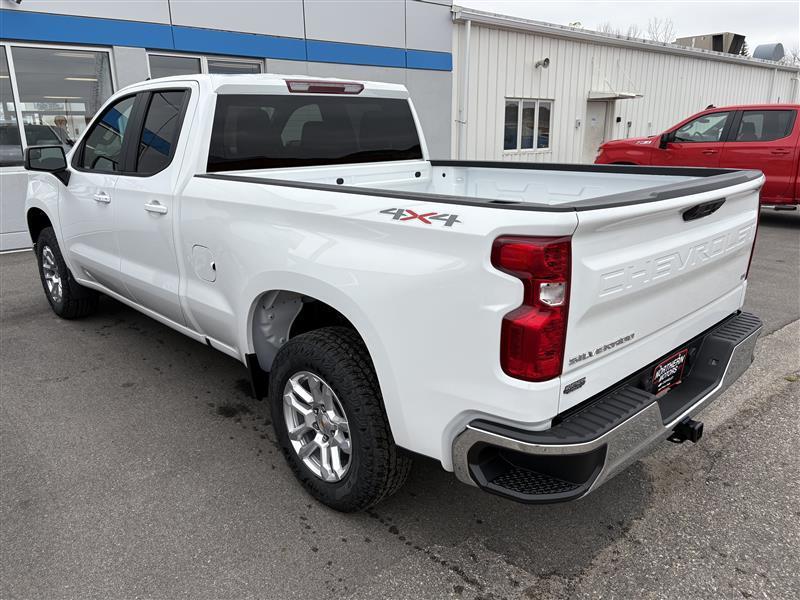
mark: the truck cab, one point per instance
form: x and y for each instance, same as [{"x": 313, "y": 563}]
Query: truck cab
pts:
[{"x": 764, "y": 137}]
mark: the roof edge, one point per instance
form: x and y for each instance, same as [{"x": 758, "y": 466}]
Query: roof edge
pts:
[{"x": 462, "y": 14}]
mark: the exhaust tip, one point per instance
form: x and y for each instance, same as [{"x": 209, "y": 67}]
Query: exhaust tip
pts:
[{"x": 688, "y": 429}]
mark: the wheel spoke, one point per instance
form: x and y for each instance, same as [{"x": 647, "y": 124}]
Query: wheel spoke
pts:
[
  {"x": 342, "y": 443},
  {"x": 302, "y": 392},
  {"x": 327, "y": 399},
  {"x": 325, "y": 463},
  {"x": 340, "y": 423},
  {"x": 316, "y": 387},
  {"x": 296, "y": 404},
  {"x": 298, "y": 432},
  {"x": 308, "y": 449},
  {"x": 336, "y": 461}
]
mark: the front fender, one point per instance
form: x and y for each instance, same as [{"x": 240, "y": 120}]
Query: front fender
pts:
[{"x": 42, "y": 194}]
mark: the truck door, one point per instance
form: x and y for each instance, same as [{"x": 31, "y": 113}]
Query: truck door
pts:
[
  {"x": 766, "y": 139},
  {"x": 88, "y": 204},
  {"x": 145, "y": 204},
  {"x": 698, "y": 143}
]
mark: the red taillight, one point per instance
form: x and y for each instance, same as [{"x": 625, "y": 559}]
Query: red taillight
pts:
[
  {"x": 299, "y": 86},
  {"x": 532, "y": 336}
]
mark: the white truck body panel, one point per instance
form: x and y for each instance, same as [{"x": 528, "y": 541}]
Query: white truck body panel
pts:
[{"x": 424, "y": 296}]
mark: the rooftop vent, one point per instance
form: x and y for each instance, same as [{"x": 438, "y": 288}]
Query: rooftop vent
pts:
[{"x": 772, "y": 52}]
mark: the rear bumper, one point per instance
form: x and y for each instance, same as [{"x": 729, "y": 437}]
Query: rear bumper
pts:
[{"x": 607, "y": 433}]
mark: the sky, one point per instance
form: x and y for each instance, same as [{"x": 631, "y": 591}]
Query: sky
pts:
[{"x": 761, "y": 21}]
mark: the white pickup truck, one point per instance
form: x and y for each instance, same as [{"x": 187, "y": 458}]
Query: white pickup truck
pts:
[{"x": 533, "y": 327}]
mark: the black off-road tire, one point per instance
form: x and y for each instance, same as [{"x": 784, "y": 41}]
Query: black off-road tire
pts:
[
  {"x": 378, "y": 468},
  {"x": 75, "y": 301}
]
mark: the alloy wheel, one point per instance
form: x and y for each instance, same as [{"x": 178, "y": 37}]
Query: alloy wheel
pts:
[
  {"x": 317, "y": 426},
  {"x": 52, "y": 278}
]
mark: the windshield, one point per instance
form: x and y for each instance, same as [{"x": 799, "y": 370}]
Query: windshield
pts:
[{"x": 268, "y": 131}]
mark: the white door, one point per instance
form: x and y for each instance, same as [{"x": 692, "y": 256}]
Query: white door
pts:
[
  {"x": 144, "y": 200},
  {"x": 594, "y": 133},
  {"x": 88, "y": 203}
]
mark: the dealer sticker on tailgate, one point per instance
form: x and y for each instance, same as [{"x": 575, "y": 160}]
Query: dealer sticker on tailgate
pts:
[{"x": 668, "y": 372}]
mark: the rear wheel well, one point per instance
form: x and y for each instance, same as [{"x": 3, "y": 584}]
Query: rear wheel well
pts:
[
  {"x": 281, "y": 315},
  {"x": 37, "y": 221}
]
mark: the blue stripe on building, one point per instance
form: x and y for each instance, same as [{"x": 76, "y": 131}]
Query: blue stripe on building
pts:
[
  {"x": 42, "y": 27},
  {"x": 427, "y": 59},
  {"x": 193, "y": 39},
  {"x": 355, "y": 54}
]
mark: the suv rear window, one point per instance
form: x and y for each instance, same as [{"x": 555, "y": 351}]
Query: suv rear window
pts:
[{"x": 269, "y": 131}]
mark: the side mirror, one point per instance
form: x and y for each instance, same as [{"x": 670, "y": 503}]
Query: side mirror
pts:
[
  {"x": 665, "y": 139},
  {"x": 49, "y": 159}
]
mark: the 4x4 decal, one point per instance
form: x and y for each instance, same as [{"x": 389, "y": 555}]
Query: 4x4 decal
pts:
[{"x": 406, "y": 214}]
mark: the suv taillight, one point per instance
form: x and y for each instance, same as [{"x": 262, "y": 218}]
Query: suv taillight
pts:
[{"x": 533, "y": 335}]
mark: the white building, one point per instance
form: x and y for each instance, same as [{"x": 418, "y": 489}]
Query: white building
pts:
[
  {"x": 507, "y": 105},
  {"x": 473, "y": 76}
]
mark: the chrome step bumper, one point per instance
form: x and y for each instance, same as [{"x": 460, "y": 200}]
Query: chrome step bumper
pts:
[{"x": 607, "y": 433}]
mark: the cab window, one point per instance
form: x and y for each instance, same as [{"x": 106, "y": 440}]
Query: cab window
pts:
[
  {"x": 706, "y": 128},
  {"x": 162, "y": 125},
  {"x": 102, "y": 149},
  {"x": 764, "y": 125}
]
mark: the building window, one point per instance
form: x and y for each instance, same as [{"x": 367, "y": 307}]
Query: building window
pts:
[
  {"x": 10, "y": 141},
  {"x": 234, "y": 67},
  {"x": 527, "y": 125},
  {"x": 60, "y": 90},
  {"x": 162, "y": 65},
  {"x": 166, "y": 65}
]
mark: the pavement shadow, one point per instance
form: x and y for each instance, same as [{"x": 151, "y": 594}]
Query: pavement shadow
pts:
[
  {"x": 435, "y": 509},
  {"x": 782, "y": 219}
]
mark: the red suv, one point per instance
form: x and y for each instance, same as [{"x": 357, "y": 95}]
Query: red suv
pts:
[{"x": 759, "y": 136}]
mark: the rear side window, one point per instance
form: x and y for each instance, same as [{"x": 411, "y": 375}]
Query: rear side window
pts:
[
  {"x": 765, "y": 125},
  {"x": 268, "y": 131},
  {"x": 160, "y": 132}
]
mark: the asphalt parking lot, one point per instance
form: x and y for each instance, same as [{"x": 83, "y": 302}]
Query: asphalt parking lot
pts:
[{"x": 133, "y": 464}]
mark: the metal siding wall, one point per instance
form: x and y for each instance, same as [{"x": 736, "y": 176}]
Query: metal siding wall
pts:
[
  {"x": 130, "y": 65},
  {"x": 428, "y": 26},
  {"x": 674, "y": 87},
  {"x": 276, "y": 17},
  {"x": 379, "y": 23},
  {"x": 150, "y": 11}
]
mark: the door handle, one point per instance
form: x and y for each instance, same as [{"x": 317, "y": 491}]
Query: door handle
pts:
[
  {"x": 781, "y": 152},
  {"x": 156, "y": 207},
  {"x": 102, "y": 197},
  {"x": 709, "y": 152}
]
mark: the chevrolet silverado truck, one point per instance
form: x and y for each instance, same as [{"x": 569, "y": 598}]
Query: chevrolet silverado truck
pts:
[
  {"x": 758, "y": 136},
  {"x": 533, "y": 327}
]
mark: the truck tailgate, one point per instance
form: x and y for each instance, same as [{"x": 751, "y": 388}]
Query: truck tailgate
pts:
[{"x": 648, "y": 277}]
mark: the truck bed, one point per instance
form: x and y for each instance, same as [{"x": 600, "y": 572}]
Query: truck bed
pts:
[{"x": 515, "y": 186}]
